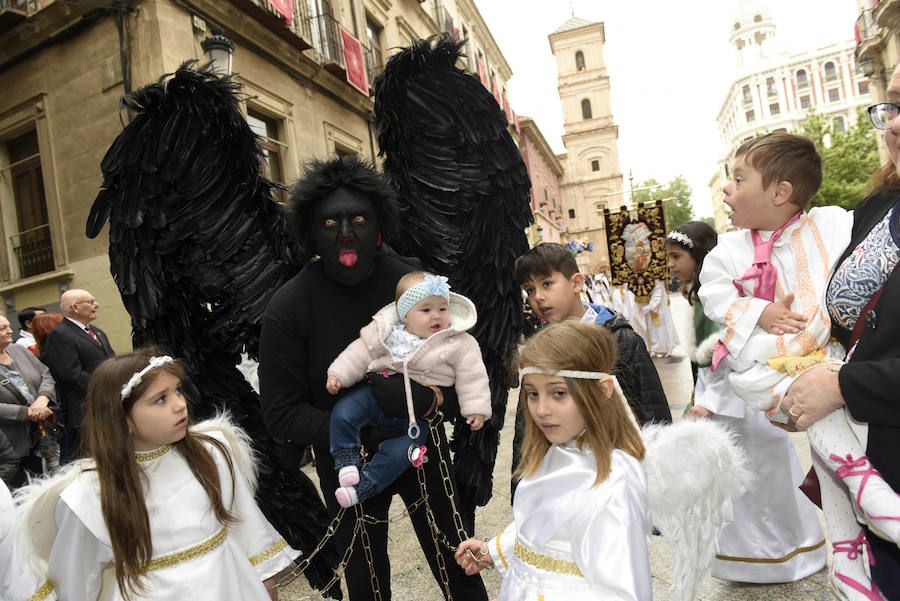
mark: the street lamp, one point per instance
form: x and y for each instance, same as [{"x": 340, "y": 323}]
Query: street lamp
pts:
[
  {"x": 220, "y": 50},
  {"x": 867, "y": 66}
]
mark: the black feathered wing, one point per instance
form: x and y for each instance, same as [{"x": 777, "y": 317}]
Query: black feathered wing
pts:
[
  {"x": 465, "y": 203},
  {"x": 197, "y": 246}
]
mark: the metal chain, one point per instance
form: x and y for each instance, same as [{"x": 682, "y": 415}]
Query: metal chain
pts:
[
  {"x": 438, "y": 537},
  {"x": 298, "y": 569},
  {"x": 373, "y": 579},
  {"x": 448, "y": 483}
]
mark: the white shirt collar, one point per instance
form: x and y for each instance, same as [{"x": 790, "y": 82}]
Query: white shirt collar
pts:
[
  {"x": 590, "y": 316},
  {"x": 77, "y": 323},
  {"x": 25, "y": 337}
]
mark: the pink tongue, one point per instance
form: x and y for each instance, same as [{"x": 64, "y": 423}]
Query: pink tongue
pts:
[{"x": 348, "y": 258}]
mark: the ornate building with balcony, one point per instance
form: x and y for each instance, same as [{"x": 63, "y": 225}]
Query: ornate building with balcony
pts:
[
  {"x": 774, "y": 90},
  {"x": 591, "y": 180},
  {"x": 65, "y": 65},
  {"x": 878, "y": 48}
]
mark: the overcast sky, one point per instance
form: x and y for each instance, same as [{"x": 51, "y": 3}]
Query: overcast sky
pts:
[{"x": 669, "y": 64}]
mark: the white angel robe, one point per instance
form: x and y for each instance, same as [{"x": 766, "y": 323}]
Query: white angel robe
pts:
[
  {"x": 625, "y": 302},
  {"x": 194, "y": 555},
  {"x": 661, "y": 335},
  {"x": 572, "y": 541},
  {"x": 602, "y": 291},
  {"x": 775, "y": 535},
  {"x": 805, "y": 255}
]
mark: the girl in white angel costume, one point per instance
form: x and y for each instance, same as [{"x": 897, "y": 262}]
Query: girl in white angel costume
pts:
[
  {"x": 582, "y": 511},
  {"x": 160, "y": 510}
]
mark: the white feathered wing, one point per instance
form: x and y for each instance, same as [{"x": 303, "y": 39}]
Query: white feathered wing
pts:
[{"x": 695, "y": 471}]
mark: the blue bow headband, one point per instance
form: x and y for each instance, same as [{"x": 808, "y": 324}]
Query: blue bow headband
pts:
[{"x": 434, "y": 285}]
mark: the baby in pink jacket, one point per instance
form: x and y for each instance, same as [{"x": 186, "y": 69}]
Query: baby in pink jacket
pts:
[{"x": 421, "y": 337}]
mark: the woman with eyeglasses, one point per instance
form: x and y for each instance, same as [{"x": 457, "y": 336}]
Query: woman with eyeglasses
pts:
[{"x": 862, "y": 299}]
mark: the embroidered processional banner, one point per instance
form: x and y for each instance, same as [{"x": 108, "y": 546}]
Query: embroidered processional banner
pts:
[{"x": 637, "y": 247}]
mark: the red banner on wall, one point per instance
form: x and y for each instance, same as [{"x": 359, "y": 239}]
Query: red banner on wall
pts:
[
  {"x": 286, "y": 8},
  {"x": 356, "y": 66},
  {"x": 495, "y": 89},
  {"x": 516, "y": 117},
  {"x": 482, "y": 73}
]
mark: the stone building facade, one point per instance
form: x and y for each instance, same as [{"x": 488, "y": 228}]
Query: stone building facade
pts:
[
  {"x": 65, "y": 65},
  {"x": 878, "y": 48},
  {"x": 774, "y": 90},
  {"x": 591, "y": 180}
]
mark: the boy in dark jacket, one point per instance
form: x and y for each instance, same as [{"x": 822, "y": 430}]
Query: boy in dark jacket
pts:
[{"x": 549, "y": 276}]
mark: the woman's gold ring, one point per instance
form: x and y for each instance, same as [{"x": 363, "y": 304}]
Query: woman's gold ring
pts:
[{"x": 792, "y": 414}]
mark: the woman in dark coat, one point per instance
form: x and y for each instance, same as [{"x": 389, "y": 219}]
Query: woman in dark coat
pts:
[{"x": 862, "y": 300}]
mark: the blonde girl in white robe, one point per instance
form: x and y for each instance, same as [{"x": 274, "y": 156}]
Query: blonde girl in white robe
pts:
[
  {"x": 160, "y": 510},
  {"x": 581, "y": 516}
]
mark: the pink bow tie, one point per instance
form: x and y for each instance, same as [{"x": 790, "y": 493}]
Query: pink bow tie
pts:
[{"x": 762, "y": 270}]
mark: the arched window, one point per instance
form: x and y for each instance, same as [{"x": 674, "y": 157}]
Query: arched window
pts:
[
  {"x": 579, "y": 60},
  {"x": 830, "y": 71},
  {"x": 802, "y": 79},
  {"x": 586, "y": 109}
]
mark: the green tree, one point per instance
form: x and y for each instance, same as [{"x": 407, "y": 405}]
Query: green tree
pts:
[
  {"x": 848, "y": 161},
  {"x": 677, "y": 195}
]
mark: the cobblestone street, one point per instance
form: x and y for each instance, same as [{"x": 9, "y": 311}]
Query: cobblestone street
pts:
[{"x": 412, "y": 580}]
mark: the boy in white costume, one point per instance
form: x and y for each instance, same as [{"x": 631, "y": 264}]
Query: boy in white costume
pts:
[
  {"x": 775, "y": 534},
  {"x": 766, "y": 285}
]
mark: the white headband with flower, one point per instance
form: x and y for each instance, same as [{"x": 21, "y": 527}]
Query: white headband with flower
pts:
[
  {"x": 680, "y": 238},
  {"x": 136, "y": 378}
]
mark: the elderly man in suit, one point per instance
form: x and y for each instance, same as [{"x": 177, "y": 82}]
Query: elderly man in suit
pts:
[{"x": 73, "y": 349}]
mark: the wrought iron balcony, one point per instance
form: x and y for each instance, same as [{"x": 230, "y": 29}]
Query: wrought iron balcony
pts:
[
  {"x": 443, "y": 19},
  {"x": 13, "y": 12},
  {"x": 374, "y": 64},
  {"x": 296, "y": 33},
  {"x": 865, "y": 25},
  {"x": 326, "y": 38},
  {"x": 33, "y": 250}
]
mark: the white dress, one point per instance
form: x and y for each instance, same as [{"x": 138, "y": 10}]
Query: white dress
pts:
[
  {"x": 194, "y": 555},
  {"x": 572, "y": 541},
  {"x": 661, "y": 335},
  {"x": 775, "y": 535}
]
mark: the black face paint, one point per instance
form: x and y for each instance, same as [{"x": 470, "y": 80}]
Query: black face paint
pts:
[{"x": 345, "y": 231}]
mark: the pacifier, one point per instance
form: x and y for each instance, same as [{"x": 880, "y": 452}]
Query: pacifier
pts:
[{"x": 416, "y": 455}]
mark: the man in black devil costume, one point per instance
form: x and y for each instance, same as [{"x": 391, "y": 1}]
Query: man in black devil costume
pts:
[
  {"x": 345, "y": 212},
  {"x": 198, "y": 246}
]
